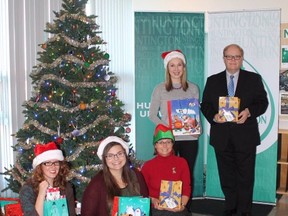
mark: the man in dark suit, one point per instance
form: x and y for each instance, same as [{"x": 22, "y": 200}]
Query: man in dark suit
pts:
[{"x": 235, "y": 142}]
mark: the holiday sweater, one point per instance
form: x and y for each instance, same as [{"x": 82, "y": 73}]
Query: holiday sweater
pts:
[
  {"x": 161, "y": 96},
  {"x": 28, "y": 199},
  {"x": 171, "y": 168},
  {"x": 94, "y": 201}
]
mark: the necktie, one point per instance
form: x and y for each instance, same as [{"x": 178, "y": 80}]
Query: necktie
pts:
[{"x": 231, "y": 87}]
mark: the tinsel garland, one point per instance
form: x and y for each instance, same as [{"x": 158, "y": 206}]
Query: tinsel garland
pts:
[
  {"x": 59, "y": 107},
  {"x": 76, "y": 84},
  {"x": 80, "y": 149},
  {"x": 74, "y": 173},
  {"x": 74, "y": 43},
  {"x": 81, "y": 131},
  {"x": 77, "y": 16},
  {"x": 73, "y": 59}
]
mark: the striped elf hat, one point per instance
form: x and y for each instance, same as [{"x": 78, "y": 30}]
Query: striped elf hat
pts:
[{"x": 162, "y": 132}]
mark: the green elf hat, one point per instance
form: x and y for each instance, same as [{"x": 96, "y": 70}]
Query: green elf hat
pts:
[{"x": 162, "y": 132}]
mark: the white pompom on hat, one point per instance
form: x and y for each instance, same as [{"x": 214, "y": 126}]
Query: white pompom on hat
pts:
[
  {"x": 46, "y": 152},
  {"x": 111, "y": 139},
  {"x": 167, "y": 56}
]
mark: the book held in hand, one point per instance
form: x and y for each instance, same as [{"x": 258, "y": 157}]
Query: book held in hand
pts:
[
  {"x": 229, "y": 109},
  {"x": 184, "y": 116}
]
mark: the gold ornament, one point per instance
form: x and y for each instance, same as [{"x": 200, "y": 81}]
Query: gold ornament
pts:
[{"x": 82, "y": 106}]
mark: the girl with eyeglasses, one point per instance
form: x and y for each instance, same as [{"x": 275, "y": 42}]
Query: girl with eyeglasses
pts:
[
  {"x": 166, "y": 166},
  {"x": 50, "y": 171},
  {"x": 115, "y": 179}
]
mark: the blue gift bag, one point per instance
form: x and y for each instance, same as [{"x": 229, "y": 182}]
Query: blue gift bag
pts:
[
  {"x": 56, "y": 207},
  {"x": 136, "y": 206}
]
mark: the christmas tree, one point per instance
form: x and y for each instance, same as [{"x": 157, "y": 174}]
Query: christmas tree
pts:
[{"x": 74, "y": 102}]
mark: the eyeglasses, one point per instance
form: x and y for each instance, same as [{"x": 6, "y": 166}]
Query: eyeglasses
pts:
[
  {"x": 168, "y": 142},
  {"x": 113, "y": 156},
  {"x": 230, "y": 57},
  {"x": 49, "y": 163}
]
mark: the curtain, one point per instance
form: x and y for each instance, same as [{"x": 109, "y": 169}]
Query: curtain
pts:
[
  {"x": 116, "y": 21},
  {"x": 22, "y": 25},
  {"x": 6, "y": 154}
]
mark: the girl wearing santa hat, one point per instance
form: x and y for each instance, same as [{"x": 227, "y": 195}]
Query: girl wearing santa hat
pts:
[
  {"x": 48, "y": 181},
  {"x": 115, "y": 179},
  {"x": 175, "y": 87}
]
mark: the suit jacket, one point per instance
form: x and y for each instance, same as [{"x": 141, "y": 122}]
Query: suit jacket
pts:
[{"x": 252, "y": 95}]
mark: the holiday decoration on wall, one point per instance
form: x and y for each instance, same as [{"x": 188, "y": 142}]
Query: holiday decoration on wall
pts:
[{"x": 75, "y": 100}]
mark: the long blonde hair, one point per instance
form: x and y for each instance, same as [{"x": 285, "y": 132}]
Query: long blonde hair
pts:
[{"x": 168, "y": 80}]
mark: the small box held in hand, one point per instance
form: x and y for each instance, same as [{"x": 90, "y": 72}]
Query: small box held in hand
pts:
[
  {"x": 170, "y": 194},
  {"x": 229, "y": 109}
]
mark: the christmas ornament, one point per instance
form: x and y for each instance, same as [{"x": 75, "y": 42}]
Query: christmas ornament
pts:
[
  {"x": 43, "y": 46},
  {"x": 127, "y": 117},
  {"x": 128, "y": 130},
  {"x": 106, "y": 56},
  {"x": 107, "y": 77},
  {"x": 82, "y": 106},
  {"x": 75, "y": 132},
  {"x": 59, "y": 141}
]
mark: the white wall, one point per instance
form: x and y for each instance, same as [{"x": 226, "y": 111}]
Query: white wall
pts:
[{"x": 211, "y": 5}]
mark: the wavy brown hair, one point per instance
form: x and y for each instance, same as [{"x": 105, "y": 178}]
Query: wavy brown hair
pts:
[
  {"x": 128, "y": 177},
  {"x": 59, "y": 181}
]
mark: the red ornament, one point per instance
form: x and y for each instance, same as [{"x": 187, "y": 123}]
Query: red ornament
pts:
[
  {"x": 59, "y": 140},
  {"x": 128, "y": 130}
]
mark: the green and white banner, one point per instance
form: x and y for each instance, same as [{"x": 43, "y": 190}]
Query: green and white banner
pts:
[
  {"x": 155, "y": 33},
  {"x": 258, "y": 33}
]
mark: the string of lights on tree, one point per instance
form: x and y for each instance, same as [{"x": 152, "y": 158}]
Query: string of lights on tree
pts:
[{"x": 74, "y": 100}]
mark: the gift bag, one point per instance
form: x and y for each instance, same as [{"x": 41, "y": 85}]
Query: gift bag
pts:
[
  {"x": 229, "y": 108},
  {"x": 56, "y": 207},
  {"x": 10, "y": 206},
  {"x": 135, "y": 206},
  {"x": 13, "y": 209},
  {"x": 184, "y": 116},
  {"x": 170, "y": 194},
  {"x": 115, "y": 206}
]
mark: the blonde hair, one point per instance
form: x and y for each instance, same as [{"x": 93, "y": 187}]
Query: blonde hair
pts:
[{"x": 168, "y": 80}]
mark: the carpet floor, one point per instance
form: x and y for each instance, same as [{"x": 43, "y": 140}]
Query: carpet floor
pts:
[{"x": 211, "y": 207}]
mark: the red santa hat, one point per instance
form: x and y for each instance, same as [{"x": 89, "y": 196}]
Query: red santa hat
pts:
[
  {"x": 167, "y": 56},
  {"x": 111, "y": 139},
  {"x": 46, "y": 152}
]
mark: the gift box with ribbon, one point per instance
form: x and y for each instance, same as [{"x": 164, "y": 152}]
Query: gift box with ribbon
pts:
[
  {"x": 229, "y": 108},
  {"x": 170, "y": 194}
]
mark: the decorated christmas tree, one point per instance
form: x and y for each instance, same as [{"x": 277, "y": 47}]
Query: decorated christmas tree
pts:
[{"x": 74, "y": 102}]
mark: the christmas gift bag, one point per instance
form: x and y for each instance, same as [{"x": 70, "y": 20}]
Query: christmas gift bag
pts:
[
  {"x": 115, "y": 206},
  {"x": 13, "y": 209},
  {"x": 56, "y": 207},
  {"x": 184, "y": 116},
  {"x": 8, "y": 204},
  {"x": 170, "y": 194},
  {"x": 55, "y": 204},
  {"x": 228, "y": 108},
  {"x": 136, "y": 206}
]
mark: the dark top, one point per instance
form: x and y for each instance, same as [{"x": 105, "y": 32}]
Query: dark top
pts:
[
  {"x": 28, "y": 199},
  {"x": 94, "y": 201},
  {"x": 253, "y": 96}
]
